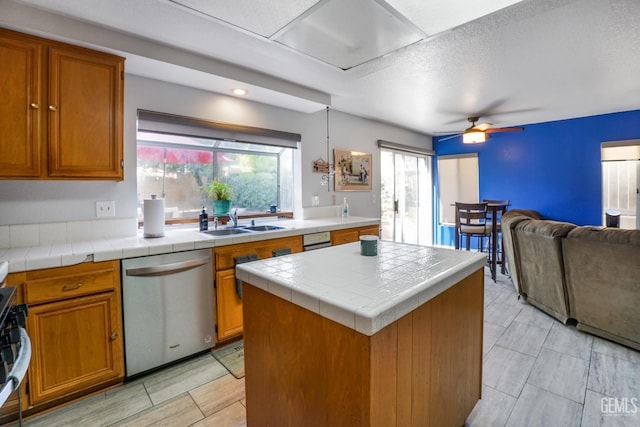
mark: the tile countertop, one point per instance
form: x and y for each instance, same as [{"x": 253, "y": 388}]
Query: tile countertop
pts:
[
  {"x": 175, "y": 240},
  {"x": 365, "y": 293}
]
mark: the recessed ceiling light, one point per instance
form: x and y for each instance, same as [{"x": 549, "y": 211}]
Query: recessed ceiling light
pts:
[{"x": 239, "y": 91}]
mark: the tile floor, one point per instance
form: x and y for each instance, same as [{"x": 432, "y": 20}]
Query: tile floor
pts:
[{"x": 537, "y": 372}]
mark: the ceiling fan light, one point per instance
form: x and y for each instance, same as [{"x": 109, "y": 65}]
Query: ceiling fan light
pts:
[{"x": 473, "y": 136}]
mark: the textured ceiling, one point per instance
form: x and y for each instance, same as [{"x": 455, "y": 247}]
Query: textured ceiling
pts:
[{"x": 528, "y": 62}]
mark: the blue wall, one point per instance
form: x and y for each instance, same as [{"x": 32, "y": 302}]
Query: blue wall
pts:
[{"x": 552, "y": 167}]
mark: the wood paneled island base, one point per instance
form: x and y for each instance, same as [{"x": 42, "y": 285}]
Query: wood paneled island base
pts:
[{"x": 424, "y": 369}]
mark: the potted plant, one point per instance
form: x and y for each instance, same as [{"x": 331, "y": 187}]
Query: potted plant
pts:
[{"x": 221, "y": 194}]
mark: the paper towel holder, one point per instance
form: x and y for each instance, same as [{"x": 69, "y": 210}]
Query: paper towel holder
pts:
[{"x": 153, "y": 217}]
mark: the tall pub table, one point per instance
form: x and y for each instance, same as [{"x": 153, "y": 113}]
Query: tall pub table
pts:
[{"x": 495, "y": 209}]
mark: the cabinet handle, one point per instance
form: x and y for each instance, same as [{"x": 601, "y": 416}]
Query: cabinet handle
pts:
[
  {"x": 113, "y": 336},
  {"x": 52, "y": 107},
  {"x": 34, "y": 106},
  {"x": 71, "y": 287}
]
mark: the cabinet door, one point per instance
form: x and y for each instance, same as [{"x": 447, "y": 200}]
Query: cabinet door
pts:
[
  {"x": 229, "y": 305},
  {"x": 20, "y": 106},
  {"x": 85, "y": 113},
  {"x": 76, "y": 346}
]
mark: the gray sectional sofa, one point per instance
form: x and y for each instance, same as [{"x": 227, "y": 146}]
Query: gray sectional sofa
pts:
[{"x": 590, "y": 274}]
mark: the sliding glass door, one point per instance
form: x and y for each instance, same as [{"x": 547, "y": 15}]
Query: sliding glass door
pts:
[{"x": 406, "y": 197}]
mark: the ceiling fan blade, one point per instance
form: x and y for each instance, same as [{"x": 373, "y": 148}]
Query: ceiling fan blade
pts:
[
  {"x": 450, "y": 137},
  {"x": 448, "y": 132},
  {"x": 499, "y": 130},
  {"x": 482, "y": 126}
]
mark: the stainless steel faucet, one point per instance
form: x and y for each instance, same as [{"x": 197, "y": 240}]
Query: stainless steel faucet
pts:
[
  {"x": 233, "y": 217},
  {"x": 215, "y": 222}
]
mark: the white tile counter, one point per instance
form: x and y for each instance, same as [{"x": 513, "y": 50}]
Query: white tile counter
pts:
[
  {"x": 365, "y": 293},
  {"x": 37, "y": 256}
]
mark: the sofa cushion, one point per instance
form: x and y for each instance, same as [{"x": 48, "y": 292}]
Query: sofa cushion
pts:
[
  {"x": 538, "y": 244},
  {"x": 602, "y": 268}
]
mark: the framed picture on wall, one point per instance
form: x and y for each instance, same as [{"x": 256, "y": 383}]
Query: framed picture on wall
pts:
[{"x": 353, "y": 170}]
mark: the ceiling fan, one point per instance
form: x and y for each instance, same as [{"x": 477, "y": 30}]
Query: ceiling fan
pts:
[{"x": 479, "y": 133}]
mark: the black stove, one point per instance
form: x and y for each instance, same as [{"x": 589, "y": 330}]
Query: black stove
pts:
[{"x": 7, "y": 301}]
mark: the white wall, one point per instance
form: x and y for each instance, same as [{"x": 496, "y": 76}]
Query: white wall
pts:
[
  {"x": 26, "y": 202},
  {"x": 29, "y": 202}
]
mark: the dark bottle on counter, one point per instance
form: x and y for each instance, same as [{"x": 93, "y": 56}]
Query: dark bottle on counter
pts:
[{"x": 204, "y": 220}]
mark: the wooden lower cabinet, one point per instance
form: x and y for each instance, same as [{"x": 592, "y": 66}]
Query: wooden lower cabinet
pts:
[
  {"x": 75, "y": 327},
  {"x": 76, "y": 345},
  {"x": 229, "y": 305},
  {"x": 350, "y": 235}
]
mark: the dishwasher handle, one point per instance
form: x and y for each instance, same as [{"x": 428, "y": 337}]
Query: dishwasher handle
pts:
[{"x": 167, "y": 269}]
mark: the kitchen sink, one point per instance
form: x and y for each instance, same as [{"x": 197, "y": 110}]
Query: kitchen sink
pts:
[
  {"x": 226, "y": 231},
  {"x": 263, "y": 227}
]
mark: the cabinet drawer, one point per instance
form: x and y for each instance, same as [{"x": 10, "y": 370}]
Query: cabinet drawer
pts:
[
  {"x": 344, "y": 236},
  {"x": 68, "y": 282},
  {"x": 224, "y": 256},
  {"x": 350, "y": 235},
  {"x": 373, "y": 230}
]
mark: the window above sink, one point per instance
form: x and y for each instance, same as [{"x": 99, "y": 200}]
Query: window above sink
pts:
[{"x": 175, "y": 162}]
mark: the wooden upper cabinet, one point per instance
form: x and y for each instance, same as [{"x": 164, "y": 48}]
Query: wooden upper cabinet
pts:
[
  {"x": 62, "y": 115},
  {"x": 21, "y": 106},
  {"x": 85, "y": 113}
]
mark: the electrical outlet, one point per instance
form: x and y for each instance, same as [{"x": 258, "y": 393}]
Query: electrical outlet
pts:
[{"x": 105, "y": 208}]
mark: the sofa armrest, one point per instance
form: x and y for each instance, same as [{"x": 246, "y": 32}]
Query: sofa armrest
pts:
[
  {"x": 508, "y": 222},
  {"x": 538, "y": 246}
]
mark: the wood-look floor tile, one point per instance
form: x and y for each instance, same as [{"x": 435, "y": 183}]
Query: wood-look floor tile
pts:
[
  {"x": 492, "y": 410},
  {"x": 509, "y": 297},
  {"x": 614, "y": 349},
  {"x": 614, "y": 377},
  {"x": 490, "y": 296},
  {"x": 231, "y": 416},
  {"x": 541, "y": 408},
  {"x": 179, "y": 411},
  {"x": 561, "y": 374},
  {"x": 506, "y": 370},
  {"x": 524, "y": 338},
  {"x": 532, "y": 316},
  {"x": 603, "y": 413},
  {"x": 100, "y": 410},
  {"x": 218, "y": 394},
  {"x": 183, "y": 377},
  {"x": 490, "y": 335},
  {"x": 501, "y": 314},
  {"x": 569, "y": 340}
]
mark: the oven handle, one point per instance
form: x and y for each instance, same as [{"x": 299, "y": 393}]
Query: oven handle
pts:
[
  {"x": 19, "y": 368},
  {"x": 166, "y": 269}
]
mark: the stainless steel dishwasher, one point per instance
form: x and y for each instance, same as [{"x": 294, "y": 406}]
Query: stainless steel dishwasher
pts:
[{"x": 168, "y": 308}]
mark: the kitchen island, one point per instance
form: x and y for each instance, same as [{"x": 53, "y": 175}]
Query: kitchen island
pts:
[{"x": 335, "y": 338}]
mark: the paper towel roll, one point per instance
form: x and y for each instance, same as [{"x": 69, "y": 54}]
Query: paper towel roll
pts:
[{"x": 153, "y": 217}]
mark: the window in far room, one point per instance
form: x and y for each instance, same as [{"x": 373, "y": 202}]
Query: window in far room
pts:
[
  {"x": 177, "y": 156},
  {"x": 621, "y": 181},
  {"x": 457, "y": 182}
]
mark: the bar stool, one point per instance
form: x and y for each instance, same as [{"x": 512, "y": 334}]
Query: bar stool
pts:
[
  {"x": 471, "y": 220},
  {"x": 495, "y": 210}
]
